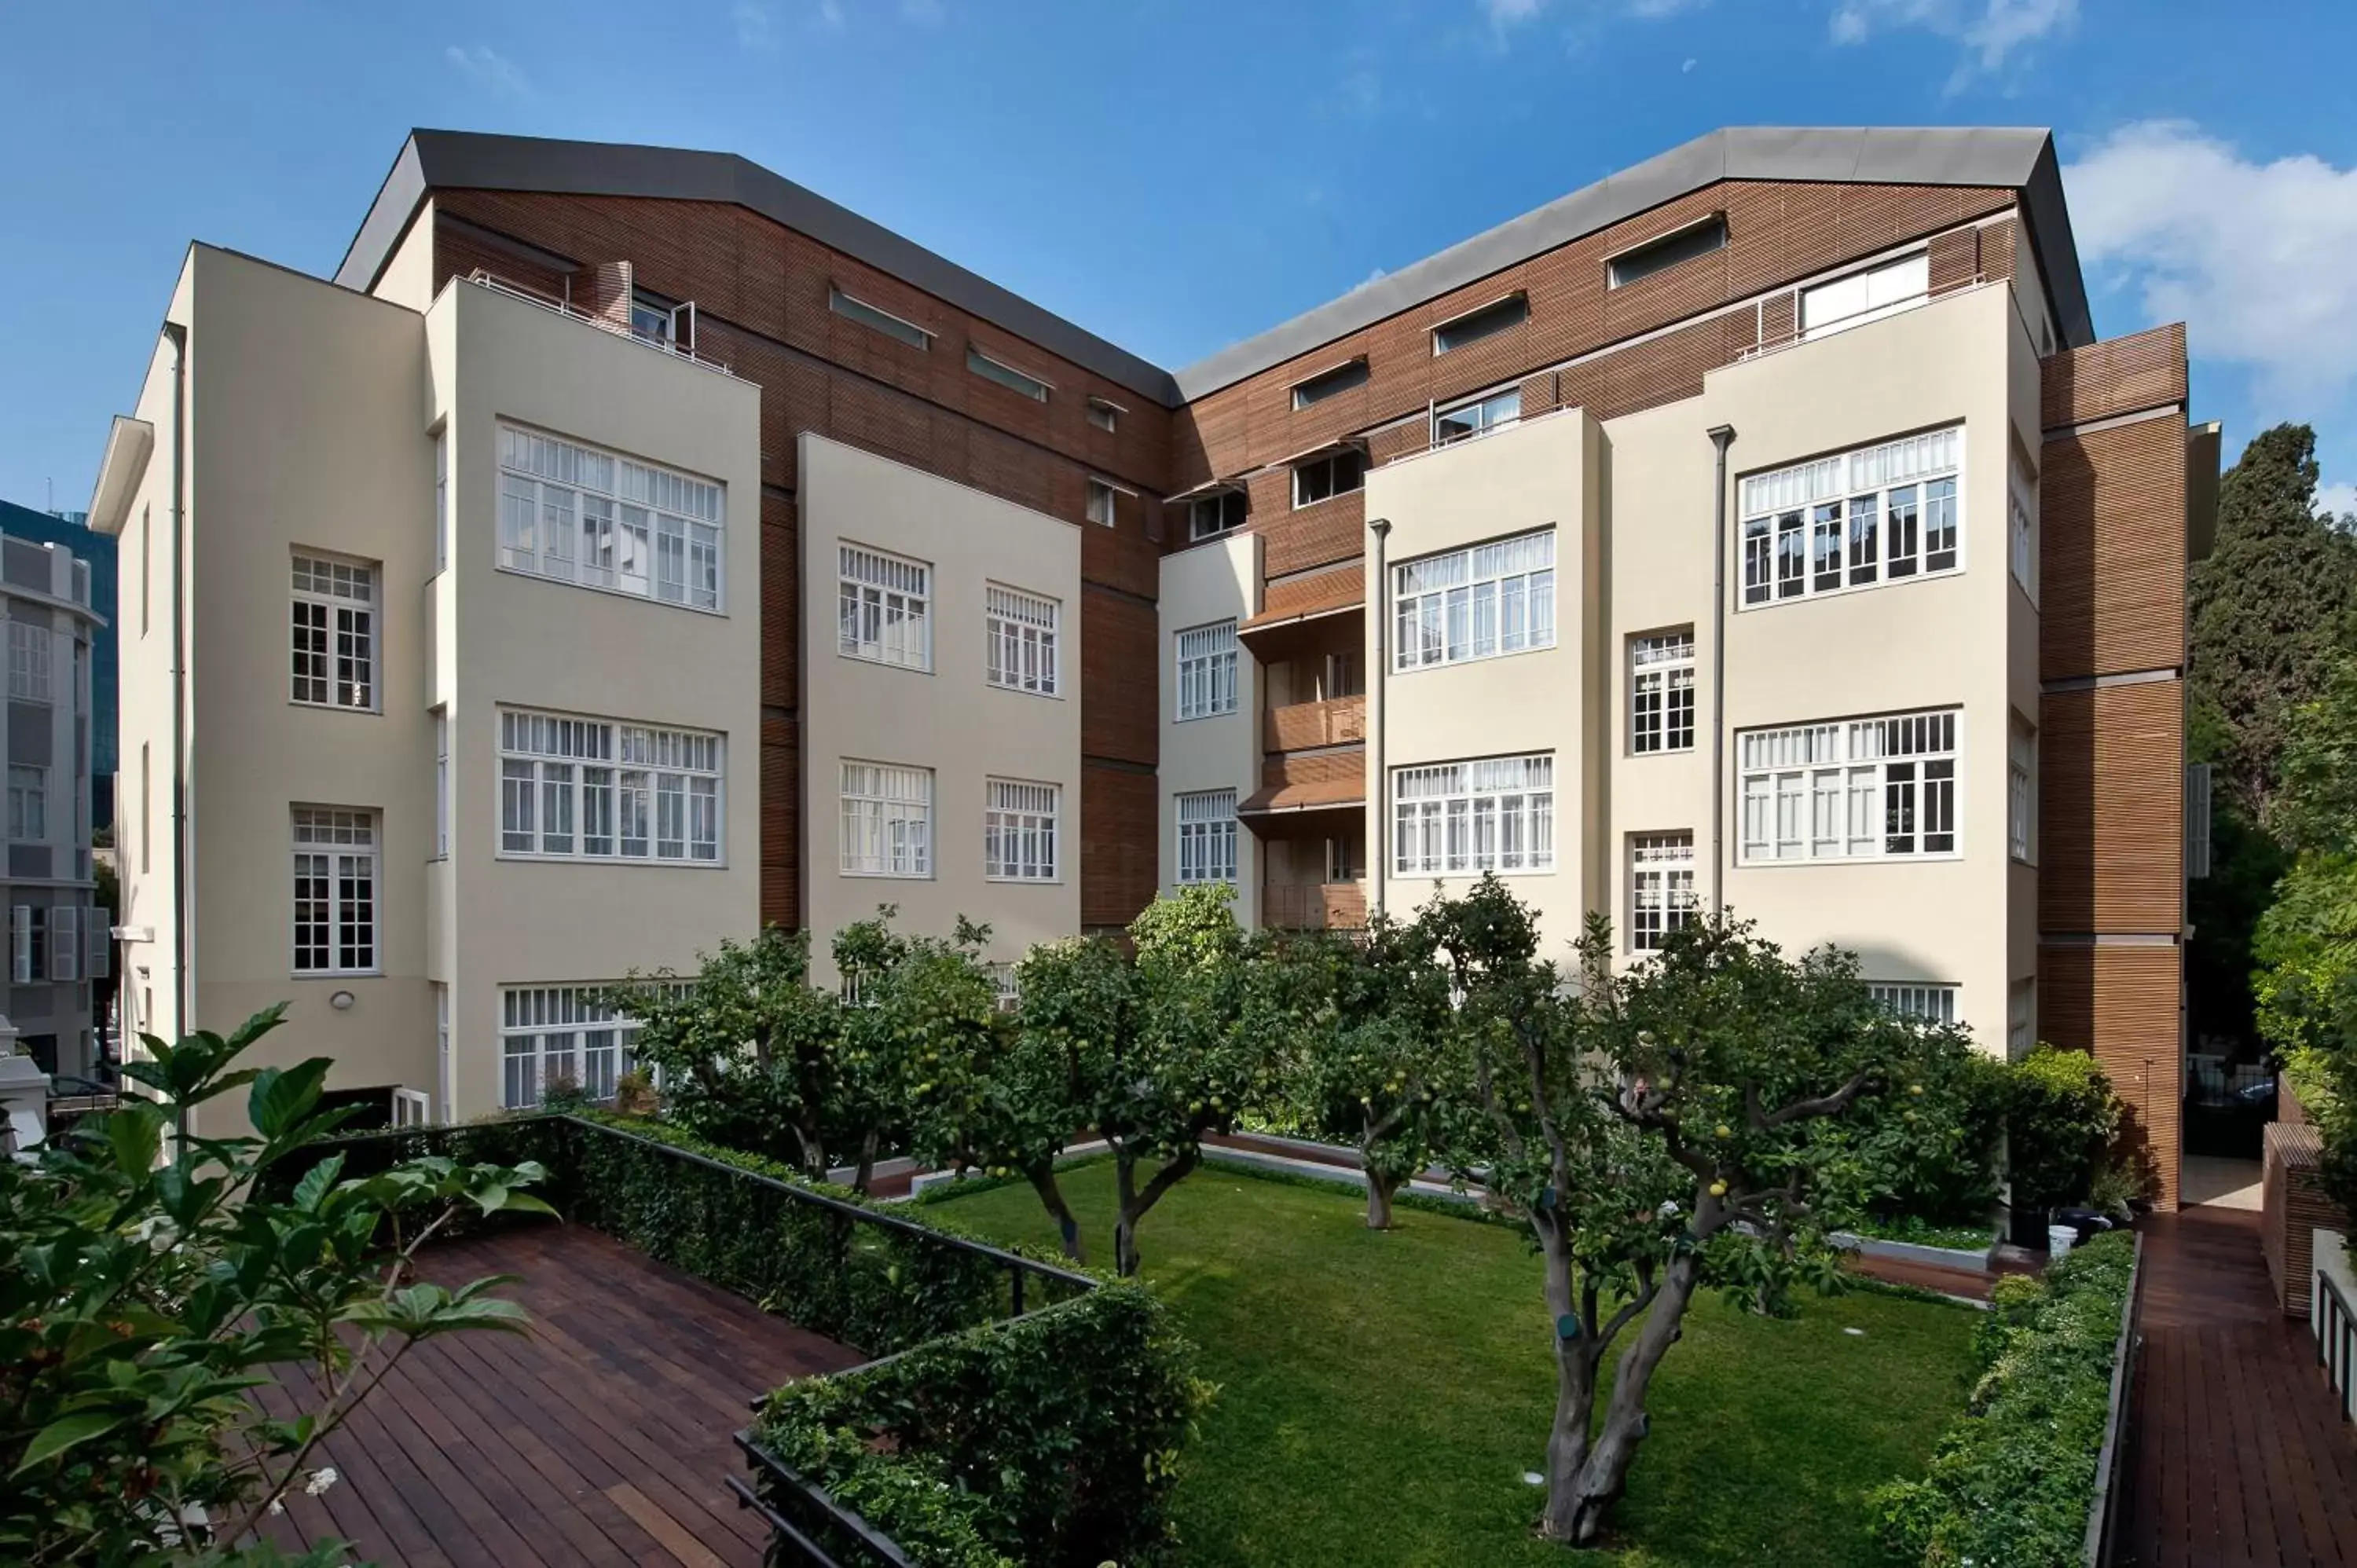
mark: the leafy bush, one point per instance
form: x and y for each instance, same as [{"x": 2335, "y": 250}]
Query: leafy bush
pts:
[
  {"x": 2059, "y": 1126},
  {"x": 1928, "y": 1157},
  {"x": 2013, "y": 1481},
  {"x": 1049, "y": 1441}
]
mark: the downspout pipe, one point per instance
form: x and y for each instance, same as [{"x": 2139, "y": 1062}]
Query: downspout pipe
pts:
[
  {"x": 1378, "y": 863},
  {"x": 183, "y": 993},
  {"x": 1722, "y": 437}
]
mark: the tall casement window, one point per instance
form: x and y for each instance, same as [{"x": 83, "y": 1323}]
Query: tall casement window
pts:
[
  {"x": 1019, "y": 831},
  {"x": 887, "y": 819},
  {"x": 1102, "y": 504},
  {"x": 2021, "y": 774},
  {"x": 1491, "y": 599},
  {"x": 2021, "y": 1019},
  {"x": 29, "y": 801},
  {"x": 1662, "y": 692},
  {"x": 1207, "y": 670},
  {"x": 1661, "y": 887},
  {"x": 1928, "y": 1003},
  {"x": 1863, "y": 790},
  {"x": 577, "y": 788},
  {"x": 442, "y": 783},
  {"x": 28, "y": 661},
  {"x": 1880, "y": 514},
  {"x": 884, "y": 607},
  {"x": 334, "y": 633},
  {"x": 2021, "y": 503},
  {"x": 1021, "y": 628},
  {"x": 335, "y": 891},
  {"x": 29, "y": 943},
  {"x": 441, "y": 499},
  {"x": 600, "y": 521},
  {"x": 1464, "y": 818},
  {"x": 1206, "y": 836},
  {"x": 551, "y": 1034}
]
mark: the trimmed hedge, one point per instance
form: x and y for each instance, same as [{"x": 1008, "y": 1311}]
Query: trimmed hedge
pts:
[
  {"x": 1046, "y": 1441},
  {"x": 2011, "y": 1484}
]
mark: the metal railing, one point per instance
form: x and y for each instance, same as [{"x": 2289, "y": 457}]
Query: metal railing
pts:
[
  {"x": 2101, "y": 1511},
  {"x": 2334, "y": 1322},
  {"x": 562, "y": 305},
  {"x": 858, "y": 1543}
]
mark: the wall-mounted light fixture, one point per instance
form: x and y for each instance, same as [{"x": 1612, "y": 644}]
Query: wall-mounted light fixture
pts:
[{"x": 342, "y": 1001}]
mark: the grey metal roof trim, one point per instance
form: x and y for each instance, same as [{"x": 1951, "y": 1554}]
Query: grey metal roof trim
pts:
[
  {"x": 2021, "y": 159},
  {"x": 477, "y": 161}
]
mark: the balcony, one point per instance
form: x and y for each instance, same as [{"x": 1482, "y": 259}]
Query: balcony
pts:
[
  {"x": 1314, "y": 906},
  {"x": 566, "y": 305},
  {"x": 1304, "y": 726}
]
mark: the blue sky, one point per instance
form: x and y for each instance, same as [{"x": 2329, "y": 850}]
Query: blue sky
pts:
[{"x": 1172, "y": 173}]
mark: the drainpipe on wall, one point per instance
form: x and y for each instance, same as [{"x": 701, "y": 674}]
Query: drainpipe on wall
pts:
[
  {"x": 1381, "y": 527},
  {"x": 1722, "y": 437},
  {"x": 183, "y": 994}
]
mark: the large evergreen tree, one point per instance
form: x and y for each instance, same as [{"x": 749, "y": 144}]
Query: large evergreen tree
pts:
[{"x": 2271, "y": 609}]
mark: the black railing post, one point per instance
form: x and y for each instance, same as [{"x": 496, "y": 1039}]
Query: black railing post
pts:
[{"x": 1018, "y": 1293}]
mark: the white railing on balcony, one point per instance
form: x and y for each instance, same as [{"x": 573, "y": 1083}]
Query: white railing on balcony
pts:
[{"x": 566, "y": 307}]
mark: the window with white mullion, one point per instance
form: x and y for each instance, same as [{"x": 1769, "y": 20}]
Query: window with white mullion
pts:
[
  {"x": 1875, "y": 515},
  {"x": 883, "y": 605},
  {"x": 334, "y": 633},
  {"x": 1022, "y": 641},
  {"x": 1662, "y": 692},
  {"x": 552, "y": 1035},
  {"x": 1477, "y": 603},
  {"x": 1019, "y": 831},
  {"x": 1207, "y": 670},
  {"x": 2021, "y": 771},
  {"x": 1925, "y": 1002},
  {"x": 1463, "y": 818},
  {"x": 335, "y": 891},
  {"x": 2021, "y": 504},
  {"x": 887, "y": 820},
  {"x": 28, "y": 659},
  {"x": 1206, "y": 836},
  {"x": 1661, "y": 887},
  {"x": 579, "y": 515},
  {"x": 1862, "y": 789},
  {"x": 575, "y": 789}
]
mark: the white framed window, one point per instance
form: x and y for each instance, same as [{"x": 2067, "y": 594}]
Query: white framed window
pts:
[
  {"x": 582, "y": 788},
  {"x": 1207, "y": 670},
  {"x": 2021, "y": 504},
  {"x": 445, "y": 1066},
  {"x": 1342, "y": 378},
  {"x": 1866, "y": 295},
  {"x": 1206, "y": 836},
  {"x": 1878, "y": 514},
  {"x": 1103, "y": 504},
  {"x": 1662, "y": 691},
  {"x": 883, "y": 321},
  {"x": 1856, "y": 790},
  {"x": 1023, "y": 643},
  {"x": 2021, "y": 1019},
  {"x": 28, "y": 942},
  {"x": 442, "y": 499},
  {"x": 1927, "y": 1001},
  {"x": 2021, "y": 774},
  {"x": 552, "y": 1035},
  {"x": 887, "y": 819},
  {"x": 442, "y": 783},
  {"x": 412, "y": 1108},
  {"x": 28, "y": 661},
  {"x": 602, "y": 521},
  {"x": 334, "y": 620},
  {"x": 65, "y": 942},
  {"x": 1221, "y": 513},
  {"x": 884, "y": 607},
  {"x": 1661, "y": 887},
  {"x": 335, "y": 891},
  {"x": 1338, "y": 473},
  {"x": 29, "y": 801},
  {"x": 1019, "y": 831},
  {"x": 1500, "y": 315},
  {"x": 1479, "y": 417},
  {"x": 1464, "y": 818},
  {"x": 1105, "y": 413},
  {"x": 1006, "y": 987},
  {"x": 1006, "y": 375},
  {"x": 1479, "y": 602}
]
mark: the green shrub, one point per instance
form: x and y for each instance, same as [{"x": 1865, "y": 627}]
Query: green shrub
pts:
[
  {"x": 2060, "y": 1126},
  {"x": 2011, "y": 1484},
  {"x": 1049, "y": 1441}
]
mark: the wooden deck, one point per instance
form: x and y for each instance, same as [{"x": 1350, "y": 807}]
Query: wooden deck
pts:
[
  {"x": 2237, "y": 1454},
  {"x": 601, "y": 1438}
]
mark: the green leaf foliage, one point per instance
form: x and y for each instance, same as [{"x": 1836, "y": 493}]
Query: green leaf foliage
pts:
[{"x": 2062, "y": 1125}]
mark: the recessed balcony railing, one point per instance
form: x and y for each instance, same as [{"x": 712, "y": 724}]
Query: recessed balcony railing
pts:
[
  {"x": 1302, "y": 726},
  {"x": 576, "y": 311},
  {"x": 1314, "y": 906}
]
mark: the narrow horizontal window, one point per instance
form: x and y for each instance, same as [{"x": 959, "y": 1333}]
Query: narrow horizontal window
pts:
[
  {"x": 1322, "y": 478},
  {"x": 1206, "y": 836},
  {"x": 1860, "y": 790},
  {"x": 1215, "y": 514},
  {"x": 887, "y": 819},
  {"x": 1867, "y": 296},
  {"x": 1460, "y": 819},
  {"x": 884, "y": 607},
  {"x": 1327, "y": 384},
  {"x": 883, "y": 321},
  {"x": 1105, "y": 416},
  {"x": 1670, "y": 250},
  {"x": 1487, "y": 322},
  {"x": 1929, "y": 1002},
  {"x": 1006, "y": 375},
  {"x": 1476, "y": 603},
  {"x": 1878, "y": 514}
]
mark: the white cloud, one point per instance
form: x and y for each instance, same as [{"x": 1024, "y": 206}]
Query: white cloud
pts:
[
  {"x": 2339, "y": 500},
  {"x": 1505, "y": 14},
  {"x": 489, "y": 70},
  {"x": 1989, "y": 29},
  {"x": 756, "y": 23},
  {"x": 1688, "y": 66},
  {"x": 830, "y": 14},
  {"x": 2254, "y": 258}
]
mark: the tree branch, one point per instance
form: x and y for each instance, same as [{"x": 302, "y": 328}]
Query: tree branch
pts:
[{"x": 1823, "y": 1105}]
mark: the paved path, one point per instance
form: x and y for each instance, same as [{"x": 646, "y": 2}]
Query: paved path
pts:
[{"x": 2237, "y": 1454}]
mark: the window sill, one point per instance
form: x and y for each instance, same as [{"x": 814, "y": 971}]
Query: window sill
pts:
[
  {"x": 1634, "y": 756},
  {"x": 1846, "y": 589},
  {"x": 890, "y": 876},
  {"x": 300, "y": 975},
  {"x": 1198, "y": 718},
  {"x": 1477, "y": 659},
  {"x": 1024, "y": 881},
  {"x": 1338, "y": 495},
  {"x": 526, "y": 857},
  {"x": 371, "y": 713},
  {"x": 1499, "y": 872},
  {"x": 991, "y": 685},
  {"x": 1945, "y": 858},
  {"x": 884, "y": 663}
]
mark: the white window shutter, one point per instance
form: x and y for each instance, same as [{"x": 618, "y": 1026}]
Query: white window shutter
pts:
[
  {"x": 65, "y": 942},
  {"x": 20, "y": 944}
]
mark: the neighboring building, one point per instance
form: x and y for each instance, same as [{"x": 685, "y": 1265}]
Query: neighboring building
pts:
[
  {"x": 71, "y": 530},
  {"x": 1417, "y": 584}
]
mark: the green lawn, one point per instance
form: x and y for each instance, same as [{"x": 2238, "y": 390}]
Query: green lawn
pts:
[{"x": 1382, "y": 1393}]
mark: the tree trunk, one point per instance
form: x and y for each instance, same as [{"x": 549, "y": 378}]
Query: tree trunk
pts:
[
  {"x": 1134, "y": 1205},
  {"x": 1576, "y": 1510},
  {"x": 859, "y": 1183},
  {"x": 1574, "y": 1380},
  {"x": 1379, "y": 1200},
  {"x": 1051, "y": 1198}
]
